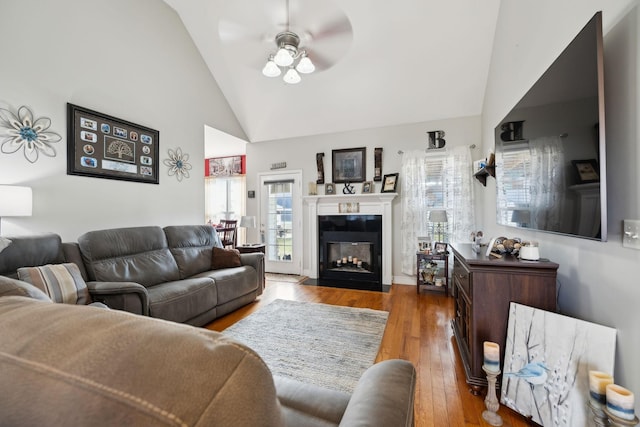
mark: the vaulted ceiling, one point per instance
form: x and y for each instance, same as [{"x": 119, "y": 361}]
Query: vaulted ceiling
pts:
[{"x": 379, "y": 63}]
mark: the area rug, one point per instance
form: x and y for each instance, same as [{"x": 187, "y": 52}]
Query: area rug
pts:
[
  {"x": 289, "y": 278},
  {"x": 326, "y": 345}
]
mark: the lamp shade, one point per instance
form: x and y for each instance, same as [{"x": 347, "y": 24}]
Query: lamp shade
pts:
[
  {"x": 438, "y": 215},
  {"x": 15, "y": 201},
  {"x": 248, "y": 221}
]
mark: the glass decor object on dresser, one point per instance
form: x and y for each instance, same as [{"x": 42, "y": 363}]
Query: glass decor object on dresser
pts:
[{"x": 432, "y": 271}]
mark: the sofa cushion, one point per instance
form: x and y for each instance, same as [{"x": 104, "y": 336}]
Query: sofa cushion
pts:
[
  {"x": 13, "y": 287},
  {"x": 4, "y": 242},
  {"x": 135, "y": 254},
  {"x": 61, "y": 282},
  {"x": 191, "y": 247},
  {"x": 225, "y": 258},
  {"x": 232, "y": 283},
  {"x": 182, "y": 300},
  {"x": 30, "y": 251},
  {"x": 125, "y": 370}
]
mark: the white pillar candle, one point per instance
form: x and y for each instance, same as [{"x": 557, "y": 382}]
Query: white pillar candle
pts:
[
  {"x": 491, "y": 356},
  {"x": 598, "y": 382},
  {"x": 355, "y": 260},
  {"x": 620, "y": 402}
]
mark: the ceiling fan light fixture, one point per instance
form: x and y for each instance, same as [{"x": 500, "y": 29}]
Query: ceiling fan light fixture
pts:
[
  {"x": 283, "y": 57},
  {"x": 271, "y": 69},
  {"x": 286, "y": 57},
  {"x": 305, "y": 66},
  {"x": 292, "y": 77}
]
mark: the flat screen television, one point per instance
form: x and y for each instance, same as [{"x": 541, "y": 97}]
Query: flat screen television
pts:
[{"x": 550, "y": 163}]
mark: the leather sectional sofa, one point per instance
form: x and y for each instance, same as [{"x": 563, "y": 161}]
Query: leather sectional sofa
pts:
[
  {"x": 159, "y": 272},
  {"x": 76, "y": 365}
]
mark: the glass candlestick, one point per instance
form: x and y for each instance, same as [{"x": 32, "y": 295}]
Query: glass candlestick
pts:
[
  {"x": 620, "y": 422},
  {"x": 599, "y": 417},
  {"x": 491, "y": 401}
]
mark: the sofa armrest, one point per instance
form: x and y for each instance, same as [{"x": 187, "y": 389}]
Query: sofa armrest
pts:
[
  {"x": 126, "y": 296},
  {"x": 255, "y": 260},
  {"x": 383, "y": 397}
]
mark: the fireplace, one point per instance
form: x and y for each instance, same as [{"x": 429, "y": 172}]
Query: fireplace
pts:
[
  {"x": 350, "y": 251},
  {"x": 323, "y": 206}
]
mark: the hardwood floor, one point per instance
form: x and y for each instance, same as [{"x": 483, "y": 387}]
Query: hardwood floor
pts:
[{"x": 418, "y": 329}]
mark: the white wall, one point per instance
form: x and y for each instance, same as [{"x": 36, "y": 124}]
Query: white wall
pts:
[
  {"x": 129, "y": 59},
  {"x": 598, "y": 281},
  {"x": 300, "y": 153}
]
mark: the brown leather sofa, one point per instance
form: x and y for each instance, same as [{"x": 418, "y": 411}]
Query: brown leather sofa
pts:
[
  {"x": 76, "y": 365},
  {"x": 159, "y": 272}
]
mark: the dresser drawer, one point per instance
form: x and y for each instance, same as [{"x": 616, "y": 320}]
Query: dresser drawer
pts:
[{"x": 462, "y": 277}]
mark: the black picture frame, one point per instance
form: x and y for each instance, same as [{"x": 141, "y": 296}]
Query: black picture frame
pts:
[
  {"x": 389, "y": 183},
  {"x": 587, "y": 170},
  {"x": 440, "y": 248},
  {"x": 102, "y": 146},
  {"x": 348, "y": 165}
]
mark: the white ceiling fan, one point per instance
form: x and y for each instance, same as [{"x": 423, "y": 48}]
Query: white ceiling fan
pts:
[{"x": 316, "y": 34}]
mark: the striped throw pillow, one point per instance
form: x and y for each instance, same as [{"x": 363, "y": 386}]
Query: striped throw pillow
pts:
[{"x": 62, "y": 282}]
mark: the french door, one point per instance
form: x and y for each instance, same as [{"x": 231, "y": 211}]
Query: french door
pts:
[{"x": 281, "y": 221}]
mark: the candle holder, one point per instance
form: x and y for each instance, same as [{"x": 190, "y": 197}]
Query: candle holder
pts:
[
  {"x": 491, "y": 401},
  {"x": 620, "y": 422},
  {"x": 599, "y": 417}
]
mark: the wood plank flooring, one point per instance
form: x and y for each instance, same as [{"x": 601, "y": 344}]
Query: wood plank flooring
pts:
[{"x": 419, "y": 330}]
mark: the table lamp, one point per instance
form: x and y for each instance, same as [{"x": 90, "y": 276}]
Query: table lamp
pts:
[{"x": 438, "y": 216}]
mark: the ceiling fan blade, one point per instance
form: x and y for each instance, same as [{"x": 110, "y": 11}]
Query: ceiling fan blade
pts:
[
  {"x": 320, "y": 61},
  {"x": 232, "y": 32},
  {"x": 338, "y": 27}
]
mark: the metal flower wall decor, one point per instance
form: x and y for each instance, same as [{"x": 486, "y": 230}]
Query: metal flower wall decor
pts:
[
  {"x": 177, "y": 163},
  {"x": 23, "y": 131}
]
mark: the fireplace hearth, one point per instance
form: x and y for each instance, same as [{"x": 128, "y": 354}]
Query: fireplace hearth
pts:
[{"x": 350, "y": 251}]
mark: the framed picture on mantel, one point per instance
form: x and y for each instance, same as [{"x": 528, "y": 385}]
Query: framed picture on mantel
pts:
[
  {"x": 349, "y": 165},
  {"x": 390, "y": 183}
]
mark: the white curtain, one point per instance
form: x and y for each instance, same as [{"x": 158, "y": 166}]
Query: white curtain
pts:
[
  {"x": 440, "y": 180},
  {"x": 461, "y": 202},
  {"x": 548, "y": 183}
]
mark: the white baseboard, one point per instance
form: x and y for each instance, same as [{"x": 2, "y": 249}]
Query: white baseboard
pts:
[{"x": 404, "y": 280}]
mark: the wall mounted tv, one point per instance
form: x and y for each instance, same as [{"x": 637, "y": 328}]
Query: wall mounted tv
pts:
[{"x": 550, "y": 149}]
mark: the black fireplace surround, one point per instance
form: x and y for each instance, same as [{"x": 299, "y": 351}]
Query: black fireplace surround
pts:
[{"x": 350, "y": 252}]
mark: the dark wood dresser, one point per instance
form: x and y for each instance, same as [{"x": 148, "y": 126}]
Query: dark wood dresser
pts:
[{"x": 483, "y": 288}]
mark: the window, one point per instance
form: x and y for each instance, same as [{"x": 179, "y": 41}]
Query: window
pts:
[
  {"x": 435, "y": 181},
  {"x": 224, "y": 198},
  {"x": 514, "y": 173}
]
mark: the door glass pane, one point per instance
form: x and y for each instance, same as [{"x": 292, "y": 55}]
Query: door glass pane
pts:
[{"x": 279, "y": 226}]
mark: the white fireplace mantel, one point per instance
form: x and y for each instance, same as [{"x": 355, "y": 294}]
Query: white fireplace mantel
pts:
[{"x": 360, "y": 204}]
